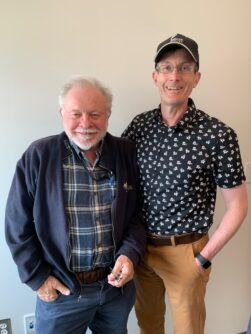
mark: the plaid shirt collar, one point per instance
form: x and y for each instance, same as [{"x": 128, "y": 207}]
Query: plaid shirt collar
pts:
[{"x": 81, "y": 153}]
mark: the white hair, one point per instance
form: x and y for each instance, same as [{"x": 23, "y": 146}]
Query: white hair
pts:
[{"x": 83, "y": 82}]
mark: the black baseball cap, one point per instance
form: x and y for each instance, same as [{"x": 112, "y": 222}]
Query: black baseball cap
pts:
[{"x": 178, "y": 40}]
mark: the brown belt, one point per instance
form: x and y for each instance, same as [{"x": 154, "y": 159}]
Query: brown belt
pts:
[
  {"x": 173, "y": 240},
  {"x": 88, "y": 277}
]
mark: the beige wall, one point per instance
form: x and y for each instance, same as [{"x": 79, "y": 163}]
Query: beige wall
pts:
[{"x": 45, "y": 42}]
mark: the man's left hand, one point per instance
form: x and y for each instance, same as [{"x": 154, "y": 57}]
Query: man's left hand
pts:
[{"x": 122, "y": 272}]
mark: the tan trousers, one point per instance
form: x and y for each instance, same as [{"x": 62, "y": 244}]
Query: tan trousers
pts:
[{"x": 171, "y": 270}]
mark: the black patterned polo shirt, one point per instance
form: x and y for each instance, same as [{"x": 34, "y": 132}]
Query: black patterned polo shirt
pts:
[{"x": 181, "y": 167}]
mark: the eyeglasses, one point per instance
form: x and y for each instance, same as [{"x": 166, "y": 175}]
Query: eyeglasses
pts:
[{"x": 168, "y": 69}]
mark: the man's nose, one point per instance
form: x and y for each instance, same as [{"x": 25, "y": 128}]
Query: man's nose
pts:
[
  {"x": 175, "y": 73},
  {"x": 85, "y": 120}
]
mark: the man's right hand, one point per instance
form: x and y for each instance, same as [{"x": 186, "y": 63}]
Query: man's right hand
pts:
[{"x": 48, "y": 291}]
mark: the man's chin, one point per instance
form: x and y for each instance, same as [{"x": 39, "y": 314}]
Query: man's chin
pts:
[{"x": 85, "y": 146}]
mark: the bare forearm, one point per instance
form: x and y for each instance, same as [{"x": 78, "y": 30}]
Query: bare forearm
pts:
[{"x": 235, "y": 213}]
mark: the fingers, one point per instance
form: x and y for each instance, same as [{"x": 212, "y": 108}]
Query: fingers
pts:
[
  {"x": 50, "y": 288},
  {"x": 116, "y": 278},
  {"x": 122, "y": 272},
  {"x": 62, "y": 288},
  {"x": 47, "y": 296}
]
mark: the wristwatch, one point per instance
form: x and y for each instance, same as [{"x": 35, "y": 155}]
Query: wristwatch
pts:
[{"x": 205, "y": 263}]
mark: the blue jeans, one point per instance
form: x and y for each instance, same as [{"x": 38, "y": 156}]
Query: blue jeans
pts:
[
  {"x": 101, "y": 307},
  {"x": 249, "y": 326}
]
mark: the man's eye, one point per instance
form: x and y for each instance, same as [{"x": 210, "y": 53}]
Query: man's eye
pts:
[
  {"x": 95, "y": 115},
  {"x": 167, "y": 68},
  {"x": 186, "y": 68},
  {"x": 75, "y": 114}
]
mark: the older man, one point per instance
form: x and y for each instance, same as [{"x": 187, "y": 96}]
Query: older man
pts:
[{"x": 71, "y": 220}]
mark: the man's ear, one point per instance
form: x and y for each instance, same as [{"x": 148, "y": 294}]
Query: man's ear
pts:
[
  {"x": 155, "y": 76},
  {"x": 197, "y": 79}
]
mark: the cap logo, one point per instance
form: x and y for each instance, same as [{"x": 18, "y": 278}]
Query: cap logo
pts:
[{"x": 176, "y": 39}]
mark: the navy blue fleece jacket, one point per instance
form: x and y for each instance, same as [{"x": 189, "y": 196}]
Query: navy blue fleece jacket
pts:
[{"x": 36, "y": 226}]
